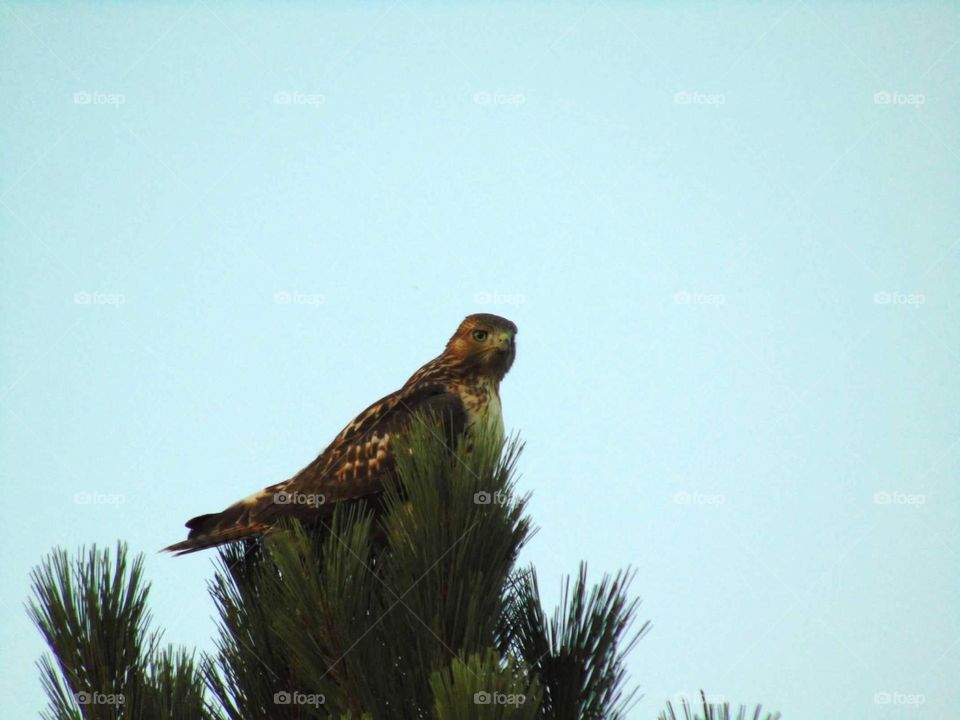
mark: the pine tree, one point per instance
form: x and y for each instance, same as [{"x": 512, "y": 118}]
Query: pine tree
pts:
[{"x": 411, "y": 609}]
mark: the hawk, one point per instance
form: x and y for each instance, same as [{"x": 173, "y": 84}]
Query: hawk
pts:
[{"x": 462, "y": 385}]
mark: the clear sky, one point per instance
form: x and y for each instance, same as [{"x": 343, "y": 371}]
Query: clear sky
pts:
[{"x": 727, "y": 233}]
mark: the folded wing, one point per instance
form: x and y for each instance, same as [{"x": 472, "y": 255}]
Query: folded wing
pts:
[{"x": 353, "y": 467}]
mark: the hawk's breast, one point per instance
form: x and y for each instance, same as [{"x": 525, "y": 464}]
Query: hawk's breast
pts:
[{"x": 481, "y": 401}]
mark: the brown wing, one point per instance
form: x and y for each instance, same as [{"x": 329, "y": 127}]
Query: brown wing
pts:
[{"x": 354, "y": 466}]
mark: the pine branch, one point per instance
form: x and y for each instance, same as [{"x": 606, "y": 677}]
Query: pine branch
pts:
[
  {"x": 362, "y": 613},
  {"x": 579, "y": 654},
  {"x": 92, "y": 611},
  {"x": 714, "y": 711},
  {"x": 174, "y": 687},
  {"x": 454, "y": 531},
  {"x": 315, "y": 598},
  {"x": 484, "y": 688},
  {"x": 250, "y": 665}
]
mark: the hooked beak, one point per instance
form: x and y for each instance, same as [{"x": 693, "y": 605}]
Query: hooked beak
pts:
[{"x": 505, "y": 342}]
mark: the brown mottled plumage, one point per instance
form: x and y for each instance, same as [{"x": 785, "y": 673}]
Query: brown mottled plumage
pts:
[{"x": 462, "y": 385}]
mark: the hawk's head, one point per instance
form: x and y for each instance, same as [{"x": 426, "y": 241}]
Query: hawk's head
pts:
[{"x": 484, "y": 343}]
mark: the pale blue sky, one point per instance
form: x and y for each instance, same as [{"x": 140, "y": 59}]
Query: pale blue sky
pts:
[{"x": 728, "y": 235}]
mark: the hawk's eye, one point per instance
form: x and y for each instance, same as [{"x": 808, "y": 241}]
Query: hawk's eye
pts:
[{"x": 480, "y": 335}]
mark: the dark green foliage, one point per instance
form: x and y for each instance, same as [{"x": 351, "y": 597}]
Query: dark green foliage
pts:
[
  {"x": 714, "y": 711},
  {"x": 174, "y": 687},
  {"x": 295, "y": 624},
  {"x": 109, "y": 664},
  {"x": 578, "y": 655},
  {"x": 410, "y": 609},
  {"x": 485, "y": 688},
  {"x": 251, "y": 665},
  {"x": 363, "y": 615}
]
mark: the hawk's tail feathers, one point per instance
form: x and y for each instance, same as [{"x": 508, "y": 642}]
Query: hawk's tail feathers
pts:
[{"x": 214, "y": 529}]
